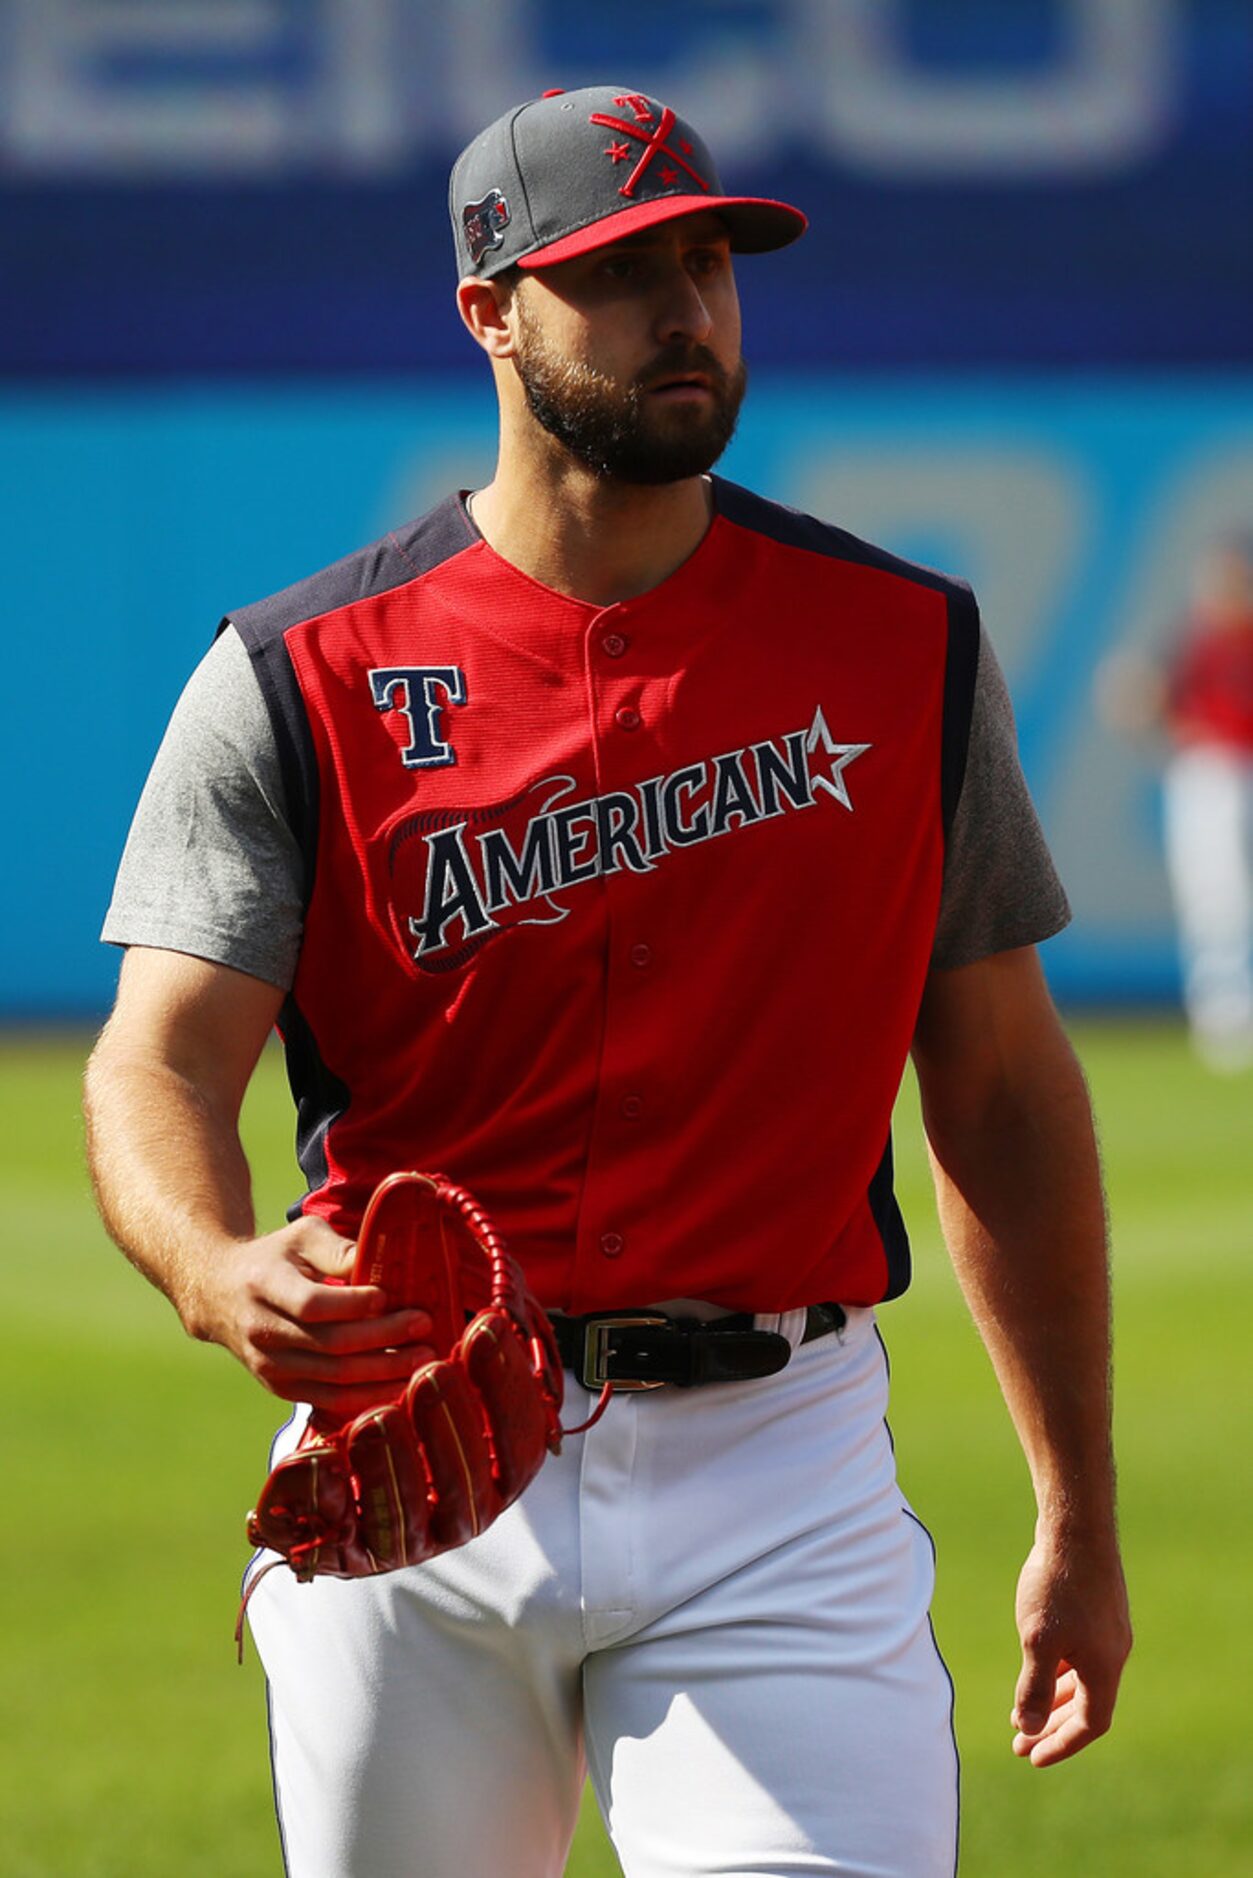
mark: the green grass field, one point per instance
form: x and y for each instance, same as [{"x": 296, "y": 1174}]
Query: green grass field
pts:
[{"x": 134, "y": 1746}]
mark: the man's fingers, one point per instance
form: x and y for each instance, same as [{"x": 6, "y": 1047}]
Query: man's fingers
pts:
[
  {"x": 315, "y": 1303},
  {"x": 1037, "y": 1690},
  {"x": 343, "y": 1384},
  {"x": 319, "y": 1247},
  {"x": 1072, "y": 1618},
  {"x": 369, "y": 1366},
  {"x": 276, "y": 1276},
  {"x": 396, "y": 1330},
  {"x": 1058, "y": 1745},
  {"x": 1033, "y": 1717},
  {"x": 333, "y": 1316},
  {"x": 336, "y": 1400},
  {"x": 337, "y": 1346},
  {"x": 293, "y": 1360},
  {"x": 321, "y": 1348},
  {"x": 291, "y": 1293},
  {"x": 1069, "y": 1728},
  {"x": 1077, "y": 1718}
]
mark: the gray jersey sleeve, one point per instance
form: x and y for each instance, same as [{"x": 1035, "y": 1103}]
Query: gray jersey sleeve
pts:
[
  {"x": 211, "y": 866},
  {"x": 1001, "y": 889}
]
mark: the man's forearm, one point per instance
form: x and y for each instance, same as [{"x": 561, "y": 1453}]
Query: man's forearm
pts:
[
  {"x": 1019, "y": 1193},
  {"x": 169, "y": 1170},
  {"x": 163, "y": 1095},
  {"x": 1019, "y": 1189}
]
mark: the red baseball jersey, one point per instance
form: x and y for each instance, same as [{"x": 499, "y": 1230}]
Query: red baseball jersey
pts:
[
  {"x": 1210, "y": 692},
  {"x": 620, "y": 916}
]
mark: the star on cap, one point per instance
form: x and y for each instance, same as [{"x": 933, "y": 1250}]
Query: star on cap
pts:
[
  {"x": 620, "y": 152},
  {"x": 841, "y": 754}
]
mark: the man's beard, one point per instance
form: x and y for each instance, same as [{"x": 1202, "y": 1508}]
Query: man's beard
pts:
[{"x": 616, "y": 429}]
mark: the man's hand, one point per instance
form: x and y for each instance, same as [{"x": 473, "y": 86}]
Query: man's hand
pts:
[
  {"x": 1018, "y": 1185},
  {"x": 267, "y": 1301},
  {"x": 164, "y": 1088},
  {"x": 1076, "y": 1635}
]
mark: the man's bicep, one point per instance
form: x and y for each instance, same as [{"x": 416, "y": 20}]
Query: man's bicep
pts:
[{"x": 205, "y": 1022}]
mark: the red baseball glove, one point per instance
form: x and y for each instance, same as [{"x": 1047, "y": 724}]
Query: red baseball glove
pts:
[{"x": 440, "y": 1456}]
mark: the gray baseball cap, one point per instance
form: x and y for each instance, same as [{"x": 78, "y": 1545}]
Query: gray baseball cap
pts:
[{"x": 574, "y": 170}]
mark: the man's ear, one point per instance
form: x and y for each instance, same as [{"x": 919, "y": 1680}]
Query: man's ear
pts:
[{"x": 484, "y": 308}]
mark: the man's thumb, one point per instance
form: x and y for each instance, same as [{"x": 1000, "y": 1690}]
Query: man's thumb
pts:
[
  {"x": 1034, "y": 1694},
  {"x": 329, "y": 1255}
]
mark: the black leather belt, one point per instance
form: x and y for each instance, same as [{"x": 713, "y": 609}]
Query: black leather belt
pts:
[{"x": 644, "y": 1349}]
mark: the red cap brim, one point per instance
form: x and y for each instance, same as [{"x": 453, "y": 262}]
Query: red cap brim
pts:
[{"x": 755, "y": 223}]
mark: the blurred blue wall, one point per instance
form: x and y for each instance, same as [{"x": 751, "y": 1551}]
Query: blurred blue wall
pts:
[{"x": 1017, "y": 342}]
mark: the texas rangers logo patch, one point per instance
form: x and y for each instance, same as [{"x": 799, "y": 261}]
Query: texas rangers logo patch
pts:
[
  {"x": 460, "y": 877},
  {"x": 485, "y": 223}
]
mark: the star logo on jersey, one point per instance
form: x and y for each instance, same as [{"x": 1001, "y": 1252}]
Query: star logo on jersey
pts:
[{"x": 820, "y": 744}]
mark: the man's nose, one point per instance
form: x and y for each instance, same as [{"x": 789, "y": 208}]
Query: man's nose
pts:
[{"x": 683, "y": 314}]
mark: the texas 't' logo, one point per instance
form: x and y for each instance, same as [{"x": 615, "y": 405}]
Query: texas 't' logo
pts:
[
  {"x": 460, "y": 877},
  {"x": 419, "y": 693}
]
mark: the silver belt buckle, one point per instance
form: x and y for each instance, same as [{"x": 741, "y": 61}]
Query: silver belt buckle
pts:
[{"x": 596, "y": 1352}]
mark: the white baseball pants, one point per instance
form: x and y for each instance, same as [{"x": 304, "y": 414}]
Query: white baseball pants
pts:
[
  {"x": 715, "y": 1603},
  {"x": 1209, "y": 852}
]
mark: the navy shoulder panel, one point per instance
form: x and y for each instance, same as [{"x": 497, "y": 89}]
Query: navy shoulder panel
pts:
[
  {"x": 404, "y": 555},
  {"x": 791, "y": 528}
]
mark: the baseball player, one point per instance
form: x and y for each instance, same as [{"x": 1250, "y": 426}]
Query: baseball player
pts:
[
  {"x": 1198, "y": 690},
  {"x": 607, "y": 838}
]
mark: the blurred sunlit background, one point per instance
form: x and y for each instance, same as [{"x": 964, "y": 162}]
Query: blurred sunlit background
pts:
[{"x": 1017, "y": 343}]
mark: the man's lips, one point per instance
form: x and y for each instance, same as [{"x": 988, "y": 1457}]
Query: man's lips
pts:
[{"x": 682, "y": 385}]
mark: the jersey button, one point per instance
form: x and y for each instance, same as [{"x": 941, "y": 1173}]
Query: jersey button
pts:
[
  {"x": 641, "y": 956},
  {"x": 632, "y": 1107},
  {"x": 615, "y": 644},
  {"x": 627, "y": 717},
  {"x": 612, "y": 1244}
]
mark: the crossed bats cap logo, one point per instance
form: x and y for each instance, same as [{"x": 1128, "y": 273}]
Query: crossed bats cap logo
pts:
[{"x": 573, "y": 170}]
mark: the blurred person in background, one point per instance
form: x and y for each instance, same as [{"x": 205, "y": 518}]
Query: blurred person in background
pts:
[{"x": 1200, "y": 694}]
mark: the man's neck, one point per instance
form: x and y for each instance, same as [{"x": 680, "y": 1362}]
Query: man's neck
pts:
[{"x": 593, "y": 539}]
